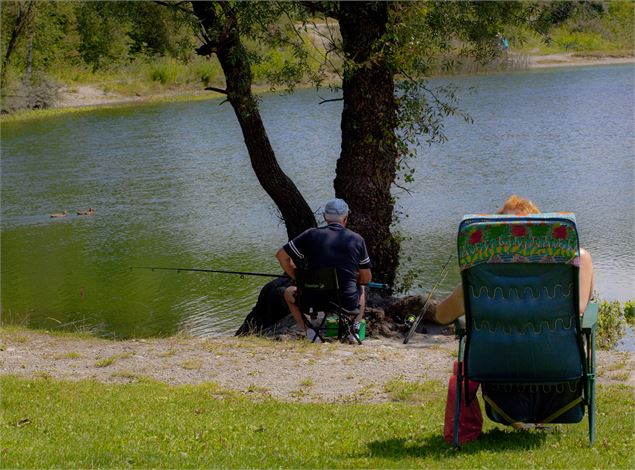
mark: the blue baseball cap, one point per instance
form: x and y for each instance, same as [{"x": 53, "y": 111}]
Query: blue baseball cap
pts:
[{"x": 336, "y": 207}]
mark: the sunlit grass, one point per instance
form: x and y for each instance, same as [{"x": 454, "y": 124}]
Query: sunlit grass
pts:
[
  {"x": 48, "y": 423},
  {"x": 108, "y": 361}
]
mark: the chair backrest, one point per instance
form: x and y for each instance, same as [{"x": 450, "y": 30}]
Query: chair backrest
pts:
[
  {"x": 520, "y": 288},
  {"x": 317, "y": 288}
]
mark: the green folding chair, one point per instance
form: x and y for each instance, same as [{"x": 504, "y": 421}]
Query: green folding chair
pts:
[
  {"x": 319, "y": 291},
  {"x": 523, "y": 338}
]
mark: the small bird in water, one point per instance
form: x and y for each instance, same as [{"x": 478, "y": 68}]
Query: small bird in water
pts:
[
  {"x": 59, "y": 215},
  {"x": 90, "y": 211}
]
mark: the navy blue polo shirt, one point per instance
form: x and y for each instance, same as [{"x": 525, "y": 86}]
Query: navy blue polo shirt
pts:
[{"x": 333, "y": 246}]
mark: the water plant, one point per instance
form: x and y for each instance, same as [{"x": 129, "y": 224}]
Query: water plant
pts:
[{"x": 612, "y": 322}]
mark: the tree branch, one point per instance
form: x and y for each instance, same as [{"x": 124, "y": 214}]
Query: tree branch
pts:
[
  {"x": 403, "y": 188},
  {"x": 175, "y": 5},
  {"x": 217, "y": 90},
  {"x": 321, "y": 7},
  {"x": 330, "y": 100}
]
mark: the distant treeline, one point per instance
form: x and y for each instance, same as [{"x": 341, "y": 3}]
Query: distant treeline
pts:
[{"x": 137, "y": 46}]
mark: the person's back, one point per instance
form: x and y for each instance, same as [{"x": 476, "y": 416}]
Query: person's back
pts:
[
  {"x": 334, "y": 246},
  {"x": 331, "y": 246}
]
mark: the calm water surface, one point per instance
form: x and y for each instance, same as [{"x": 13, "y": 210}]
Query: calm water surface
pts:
[{"x": 172, "y": 186}]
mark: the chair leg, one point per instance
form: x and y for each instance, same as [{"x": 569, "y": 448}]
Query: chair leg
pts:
[
  {"x": 348, "y": 327},
  {"x": 592, "y": 392},
  {"x": 592, "y": 414},
  {"x": 308, "y": 324},
  {"x": 457, "y": 409},
  {"x": 459, "y": 389}
]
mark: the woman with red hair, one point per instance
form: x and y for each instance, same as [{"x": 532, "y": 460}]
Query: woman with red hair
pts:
[{"x": 452, "y": 307}]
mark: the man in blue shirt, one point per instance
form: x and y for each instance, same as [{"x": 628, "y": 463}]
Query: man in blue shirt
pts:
[{"x": 330, "y": 246}]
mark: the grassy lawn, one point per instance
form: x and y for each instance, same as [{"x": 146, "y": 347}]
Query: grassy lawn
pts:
[{"x": 49, "y": 423}]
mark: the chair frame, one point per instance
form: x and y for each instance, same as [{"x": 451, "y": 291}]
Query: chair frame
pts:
[
  {"x": 324, "y": 281},
  {"x": 585, "y": 332}
]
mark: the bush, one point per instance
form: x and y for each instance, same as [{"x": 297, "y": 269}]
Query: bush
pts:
[
  {"x": 611, "y": 324},
  {"x": 206, "y": 71},
  {"x": 629, "y": 311},
  {"x": 165, "y": 71},
  {"x": 580, "y": 41}
]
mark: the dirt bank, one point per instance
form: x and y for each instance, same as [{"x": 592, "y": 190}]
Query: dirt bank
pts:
[
  {"x": 288, "y": 370},
  {"x": 571, "y": 59}
]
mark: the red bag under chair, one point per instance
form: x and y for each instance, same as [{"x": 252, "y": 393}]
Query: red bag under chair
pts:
[{"x": 470, "y": 419}]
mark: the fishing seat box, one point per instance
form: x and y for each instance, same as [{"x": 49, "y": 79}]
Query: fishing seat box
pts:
[{"x": 331, "y": 325}]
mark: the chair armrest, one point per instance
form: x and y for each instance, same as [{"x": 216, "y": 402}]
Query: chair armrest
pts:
[
  {"x": 459, "y": 326},
  {"x": 590, "y": 318}
]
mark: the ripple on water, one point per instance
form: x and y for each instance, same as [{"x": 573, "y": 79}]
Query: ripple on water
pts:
[{"x": 173, "y": 186}]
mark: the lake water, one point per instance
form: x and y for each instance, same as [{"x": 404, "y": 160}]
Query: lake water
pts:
[{"x": 172, "y": 186}]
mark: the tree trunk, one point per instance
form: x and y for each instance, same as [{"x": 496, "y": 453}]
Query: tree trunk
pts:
[
  {"x": 366, "y": 168},
  {"x": 22, "y": 19},
  {"x": 221, "y": 27}
]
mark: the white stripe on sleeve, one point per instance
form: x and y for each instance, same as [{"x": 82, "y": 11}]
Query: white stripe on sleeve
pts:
[{"x": 296, "y": 251}]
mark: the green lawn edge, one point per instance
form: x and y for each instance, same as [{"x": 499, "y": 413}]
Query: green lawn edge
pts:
[{"x": 52, "y": 423}]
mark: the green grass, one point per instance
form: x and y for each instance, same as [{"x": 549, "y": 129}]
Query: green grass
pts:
[
  {"x": 108, "y": 361},
  {"x": 49, "y": 423}
]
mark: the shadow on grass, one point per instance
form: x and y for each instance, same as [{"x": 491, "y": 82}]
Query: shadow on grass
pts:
[{"x": 495, "y": 440}]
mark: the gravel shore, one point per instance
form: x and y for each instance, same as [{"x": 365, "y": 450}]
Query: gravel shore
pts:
[{"x": 291, "y": 369}]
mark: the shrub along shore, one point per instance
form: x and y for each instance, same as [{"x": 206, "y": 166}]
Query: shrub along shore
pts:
[{"x": 90, "y": 96}]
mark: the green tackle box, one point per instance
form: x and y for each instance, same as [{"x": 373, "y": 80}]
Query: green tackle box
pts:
[{"x": 331, "y": 326}]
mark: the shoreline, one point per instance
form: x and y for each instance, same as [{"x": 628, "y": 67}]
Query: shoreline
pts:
[
  {"x": 571, "y": 60},
  {"x": 255, "y": 366},
  {"x": 86, "y": 97}
]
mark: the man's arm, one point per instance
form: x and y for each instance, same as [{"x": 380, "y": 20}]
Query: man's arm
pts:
[
  {"x": 286, "y": 263},
  {"x": 364, "y": 276}
]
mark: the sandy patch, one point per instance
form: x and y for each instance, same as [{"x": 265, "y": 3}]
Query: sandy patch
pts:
[
  {"x": 90, "y": 95},
  {"x": 569, "y": 59},
  {"x": 94, "y": 95},
  {"x": 288, "y": 370}
]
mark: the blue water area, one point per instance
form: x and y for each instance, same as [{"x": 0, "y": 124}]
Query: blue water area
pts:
[{"x": 172, "y": 186}]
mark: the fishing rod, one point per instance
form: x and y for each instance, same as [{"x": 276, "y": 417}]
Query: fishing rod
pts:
[
  {"x": 415, "y": 324},
  {"x": 242, "y": 274}
]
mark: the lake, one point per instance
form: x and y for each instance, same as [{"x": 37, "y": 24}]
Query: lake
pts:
[{"x": 172, "y": 186}]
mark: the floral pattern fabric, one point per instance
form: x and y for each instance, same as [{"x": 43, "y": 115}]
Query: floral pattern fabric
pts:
[{"x": 536, "y": 238}]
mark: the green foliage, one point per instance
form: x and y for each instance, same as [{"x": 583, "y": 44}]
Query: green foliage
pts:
[
  {"x": 105, "y": 39},
  {"x": 408, "y": 281},
  {"x": 99, "y": 41},
  {"x": 165, "y": 71},
  {"x": 629, "y": 311},
  {"x": 580, "y": 27},
  {"x": 574, "y": 41},
  {"x": 206, "y": 70},
  {"x": 611, "y": 324},
  {"x": 47, "y": 423}
]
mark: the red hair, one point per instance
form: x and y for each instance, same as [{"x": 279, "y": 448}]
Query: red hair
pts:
[{"x": 518, "y": 206}]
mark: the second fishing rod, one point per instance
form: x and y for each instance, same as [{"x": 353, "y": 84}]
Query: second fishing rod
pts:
[{"x": 415, "y": 324}]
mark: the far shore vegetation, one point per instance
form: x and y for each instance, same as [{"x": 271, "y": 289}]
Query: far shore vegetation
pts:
[{"x": 140, "y": 50}]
